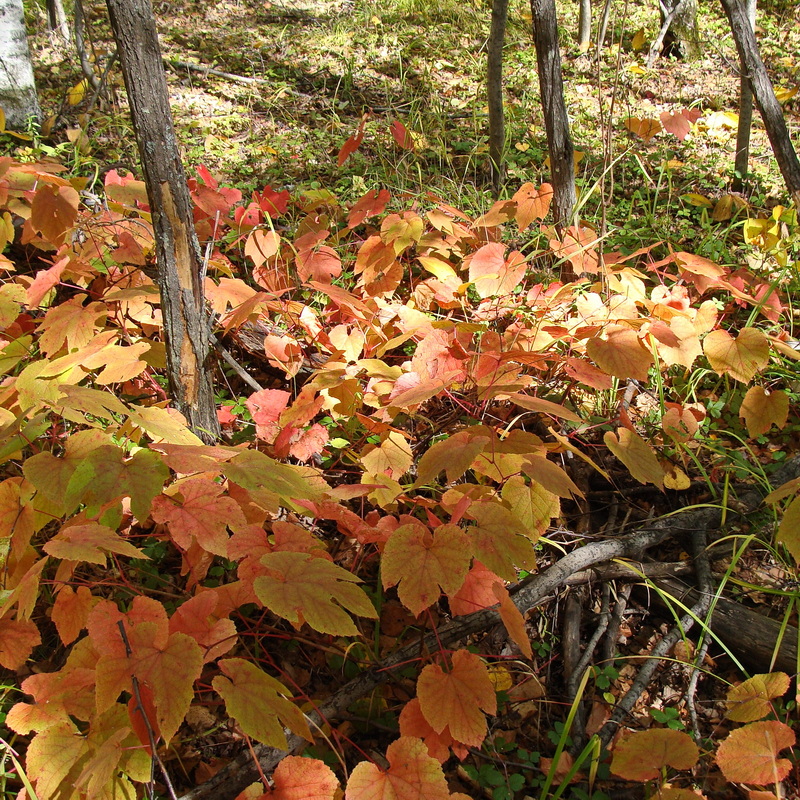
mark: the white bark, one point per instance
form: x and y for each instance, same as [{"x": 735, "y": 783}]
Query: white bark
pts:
[{"x": 17, "y": 88}]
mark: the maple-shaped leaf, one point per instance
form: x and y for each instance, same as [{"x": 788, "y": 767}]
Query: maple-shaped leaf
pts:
[
  {"x": 413, "y": 723},
  {"x": 454, "y": 455},
  {"x": 578, "y": 245},
  {"x": 168, "y": 663},
  {"x": 321, "y": 264},
  {"x": 533, "y": 505},
  {"x": 197, "y": 617},
  {"x": 71, "y": 323},
  {"x": 750, "y": 754},
  {"x": 513, "y": 620},
  {"x": 54, "y": 210},
  {"x": 90, "y": 542},
  {"x": 254, "y": 470},
  {"x": 297, "y": 778},
  {"x": 305, "y": 444},
  {"x": 17, "y": 640},
  {"x": 301, "y": 588},
  {"x": 458, "y": 698},
  {"x": 499, "y": 540},
  {"x": 421, "y": 562},
  {"x": 761, "y": 409},
  {"x": 642, "y": 755},
  {"x": 265, "y": 407},
  {"x": 477, "y": 591},
  {"x": 71, "y": 610},
  {"x": 259, "y": 703},
  {"x": 372, "y": 203},
  {"x": 199, "y": 509},
  {"x": 621, "y": 354},
  {"x": 163, "y": 425},
  {"x": 392, "y": 456},
  {"x": 742, "y": 357},
  {"x": 54, "y": 759},
  {"x": 636, "y": 455},
  {"x": 552, "y": 477},
  {"x": 749, "y": 700},
  {"x": 491, "y": 273},
  {"x": 261, "y": 246},
  {"x": 532, "y": 203},
  {"x": 117, "y": 364},
  {"x": 412, "y": 775}
]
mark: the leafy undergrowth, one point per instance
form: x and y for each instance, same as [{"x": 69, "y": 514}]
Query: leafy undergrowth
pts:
[{"x": 427, "y": 391}]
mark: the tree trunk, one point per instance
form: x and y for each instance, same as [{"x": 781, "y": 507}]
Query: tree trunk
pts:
[
  {"x": 17, "y": 88},
  {"x": 177, "y": 250},
  {"x": 679, "y": 25},
  {"x": 494, "y": 90},
  {"x": 741, "y": 165},
  {"x": 556, "y": 121},
  {"x": 771, "y": 112},
  {"x": 584, "y": 25},
  {"x": 57, "y": 19}
]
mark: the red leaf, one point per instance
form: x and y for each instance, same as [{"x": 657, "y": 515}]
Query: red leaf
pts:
[
  {"x": 54, "y": 210},
  {"x": 676, "y": 123},
  {"x": 353, "y": 143},
  {"x": 372, "y": 203},
  {"x": 265, "y": 407},
  {"x": 401, "y": 135},
  {"x": 17, "y": 640},
  {"x": 272, "y": 203},
  {"x": 413, "y": 723},
  {"x": 297, "y": 778}
]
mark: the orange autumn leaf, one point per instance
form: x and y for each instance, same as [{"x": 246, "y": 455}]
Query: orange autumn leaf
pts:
[
  {"x": 421, "y": 562},
  {"x": 297, "y": 778},
  {"x": 642, "y": 755},
  {"x": 532, "y": 203},
  {"x": 458, "y": 698},
  {"x": 17, "y": 640},
  {"x": 761, "y": 409},
  {"x": 199, "y": 509},
  {"x": 750, "y": 754},
  {"x": 742, "y": 357},
  {"x": 749, "y": 700},
  {"x": 71, "y": 610},
  {"x": 636, "y": 455},
  {"x": 645, "y": 128},
  {"x": 412, "y": 775},
  {"x": 413, "y": 723},
  {"x": 513, "y": 620}
]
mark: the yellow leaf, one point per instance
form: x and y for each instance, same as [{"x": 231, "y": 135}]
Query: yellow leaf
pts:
[
  {"x": 636, "y": 455},
  {"x": 761, "y": 409},
  {"x": 638, "y": 41},
  {"x": 697, "y": 200},
  {"x": 637, "y": 70},
  {"x": 742, "y": 357},
  {"x": 784, "y": 94},
  {"x": 77, "y": 92},
  {"x": 523, "y": 147}
]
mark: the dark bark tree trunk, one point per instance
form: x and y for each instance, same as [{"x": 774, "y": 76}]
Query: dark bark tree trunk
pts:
[
  {"x": 679, "y": 23},
  {"x": 741, "y": 165},
  {"x": 57, "y": 19},
  {"x": 177, "y": 250},
  {"x": 584, "y": 25},
  {"x": 494, "y": 90},
  {"x": 556, "y": 121},
  {"x": 771, "y": 112}
]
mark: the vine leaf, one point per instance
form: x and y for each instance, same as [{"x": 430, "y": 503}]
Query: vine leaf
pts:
[
  {"x": 749, "y": 700},
  {"x": 454, "y": 455},
  {"x": 413, "y": 723},
  {"x": 761, "y": 409},
  {"x": 17, "y": 640},
  {"x": 620, "y": 354},
  {"x": 259, "y": 703},
  {"x": 477, "y": 591},
  {"x": 642, "y": 755},
  {"x": 454, "y": 699},
  {"x": 750, "y": 754},
  {"x": 297, "y": 778},
  {"x": 301, "y": 588},
  {"x": 513, "y": 619},
  {"x": 199, "y": 509},
  {"x": 500, "y": 541},
  {"x": 91, "y": 543},
  {"x": 789, "y": 529},
  {"x": 421, "y": 562},
  {"x": 412, "y": 775},
  {"x": 197, "y": 618},
  {"x": 71, "y": 610},
  {"x": 636, "y": 455},
  {"x": 742, "y": 357}
]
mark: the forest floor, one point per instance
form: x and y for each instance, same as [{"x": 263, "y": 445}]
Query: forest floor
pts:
[{"x": 309, "y": 73}]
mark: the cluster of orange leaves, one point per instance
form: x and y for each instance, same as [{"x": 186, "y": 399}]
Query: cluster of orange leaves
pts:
[{"x": 403, "y": 309}]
